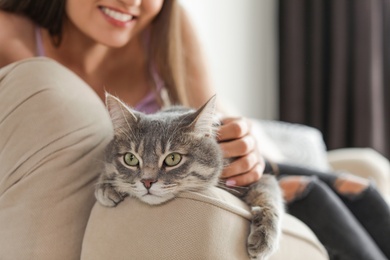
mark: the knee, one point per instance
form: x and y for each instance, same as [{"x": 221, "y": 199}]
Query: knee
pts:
[
  {"x": 33, "y": 75},
  {"x": 296, "y": 187},
  {"x": 43, "y": 93},
  {"x": 350, "y": 185},
  {"x": 42, "y": 102}
]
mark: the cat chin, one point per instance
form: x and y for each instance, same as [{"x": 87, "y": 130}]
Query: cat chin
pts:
[{"x": 155, "y": 200}]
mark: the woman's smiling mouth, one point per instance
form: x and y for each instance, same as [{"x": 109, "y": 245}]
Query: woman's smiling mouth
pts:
[{"x": 116, "y": 16}]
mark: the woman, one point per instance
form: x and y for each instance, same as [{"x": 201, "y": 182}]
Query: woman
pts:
[{"x": 53, "y": 126}]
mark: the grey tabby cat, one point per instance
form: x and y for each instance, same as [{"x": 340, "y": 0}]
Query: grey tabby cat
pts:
[{"x": 155, "y": 157}]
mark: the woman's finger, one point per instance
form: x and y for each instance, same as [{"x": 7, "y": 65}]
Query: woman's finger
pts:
[
  {"x": 247, "y": 178},
  {"x": 238, "y": 147},
  {"x": 233, "y": 128},
  {"x": 240, "y": 165}
]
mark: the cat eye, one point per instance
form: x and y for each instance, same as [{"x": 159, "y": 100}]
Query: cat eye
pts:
[
  {"x": 130, "y": 159},
  {"x": 172, "y": 159}
]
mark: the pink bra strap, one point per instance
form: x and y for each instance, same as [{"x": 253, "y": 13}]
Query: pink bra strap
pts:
[{"x": 38, "y": 42}]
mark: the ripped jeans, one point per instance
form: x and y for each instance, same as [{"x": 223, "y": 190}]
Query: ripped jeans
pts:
[{"x": 353, "y": 223}]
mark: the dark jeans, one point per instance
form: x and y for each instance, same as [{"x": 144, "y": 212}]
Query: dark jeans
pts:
[{"x": 351, "y": 227}]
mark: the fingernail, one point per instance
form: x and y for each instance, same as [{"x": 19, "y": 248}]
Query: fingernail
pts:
[{"x": 230, "y": 183}]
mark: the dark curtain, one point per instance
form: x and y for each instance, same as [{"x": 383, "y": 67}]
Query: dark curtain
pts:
[{"x": 335, "y": 69}]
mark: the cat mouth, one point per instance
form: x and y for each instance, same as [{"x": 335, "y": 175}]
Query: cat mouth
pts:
[{"x": 150, "y": 194}]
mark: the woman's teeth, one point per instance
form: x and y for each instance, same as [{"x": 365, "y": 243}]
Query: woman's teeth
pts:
[{"x": 116, "y": 15}]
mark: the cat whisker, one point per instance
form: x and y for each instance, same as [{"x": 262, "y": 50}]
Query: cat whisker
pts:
[
  {"x": 105, "y": 182},
  {"x": 125, "y": 186},
  {"x": 193, "y": 189},
  {"x": 138, "y": 190},
  {"x": 232, "y": 189},
  {"x": 166, "y": 191},
  {"x": 169, "y": 186}
]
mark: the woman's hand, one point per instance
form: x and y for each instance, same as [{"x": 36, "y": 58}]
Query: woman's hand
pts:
[{"x": 237, "y": 142}]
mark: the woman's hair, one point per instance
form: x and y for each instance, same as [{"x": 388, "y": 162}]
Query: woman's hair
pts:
[
  {"x": 45, "y": 13},
  {"x": 167, "y": 50},
  {"x": 166, "y": 42}
]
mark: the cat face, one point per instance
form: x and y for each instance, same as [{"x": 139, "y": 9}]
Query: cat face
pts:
[{"x": 155, "y": 157}]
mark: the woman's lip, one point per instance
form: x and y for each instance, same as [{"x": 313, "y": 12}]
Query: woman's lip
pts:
[
  {"x": 117, "y": 17},
  {"x": 119, "y": 10}
]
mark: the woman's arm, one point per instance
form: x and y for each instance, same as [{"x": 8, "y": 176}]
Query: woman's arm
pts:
[{"x": 235, "y": 135}]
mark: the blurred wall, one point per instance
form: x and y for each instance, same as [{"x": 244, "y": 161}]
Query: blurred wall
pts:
[{"x": 239, "y": 38}]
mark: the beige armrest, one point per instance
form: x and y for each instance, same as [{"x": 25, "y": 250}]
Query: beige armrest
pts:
[
  {"x": 298, "y": 242},
  {"x": 364, "y": 162},
  {"x": 210, "y": 225}
]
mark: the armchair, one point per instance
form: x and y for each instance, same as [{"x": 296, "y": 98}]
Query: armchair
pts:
[{"x": 214, "y": 224}]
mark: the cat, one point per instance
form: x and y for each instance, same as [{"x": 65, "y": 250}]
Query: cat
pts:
[{"x": 155, "y": 157}]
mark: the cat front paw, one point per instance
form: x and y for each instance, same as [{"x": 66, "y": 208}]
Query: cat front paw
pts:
[
  {"x": 107, "y": 195},
  {"x": 263, "y": 239}
]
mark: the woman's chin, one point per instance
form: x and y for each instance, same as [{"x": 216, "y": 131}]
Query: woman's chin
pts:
[{"x": 115, "y": 43}]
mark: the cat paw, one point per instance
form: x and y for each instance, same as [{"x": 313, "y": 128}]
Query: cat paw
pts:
[
  {"x": 108, "y": 196},
  {"x": 263, "y": 239}
]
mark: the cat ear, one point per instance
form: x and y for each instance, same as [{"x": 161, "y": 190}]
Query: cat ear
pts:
[
  {"x": 121, "y": 115},
  {"x": 206, "y": 120}
]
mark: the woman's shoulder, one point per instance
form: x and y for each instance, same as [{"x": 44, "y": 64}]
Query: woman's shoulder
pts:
[{"x": 17, "y": 38}]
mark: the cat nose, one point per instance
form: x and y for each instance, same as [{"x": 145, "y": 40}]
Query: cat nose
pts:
[{"x": 148, "y": 182}]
